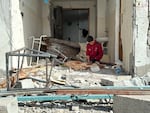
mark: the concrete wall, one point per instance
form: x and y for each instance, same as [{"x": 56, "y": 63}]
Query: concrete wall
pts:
[
  {"x": 45, "y": 19},
  {"x": 11, "y": 30},
  {"x": 110, "y": 26},
  {"x": 101, "y": 18},
  {"x": 127, "y": 32},
  {"x": 5, "y": 23},
  {"x": 16, "y": 30},
  {"x": 142, "y": 59},
  {"x": 32, "y": 18},
  {"x": 81, "y": 4}
]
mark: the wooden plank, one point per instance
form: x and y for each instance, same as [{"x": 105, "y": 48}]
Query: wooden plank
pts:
[{"x": 103, "y": 91}]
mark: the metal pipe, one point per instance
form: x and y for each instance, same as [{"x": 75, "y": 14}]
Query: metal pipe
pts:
[
  {"x": 62, "y": 97},
  {"x": 19, "y": 54}
]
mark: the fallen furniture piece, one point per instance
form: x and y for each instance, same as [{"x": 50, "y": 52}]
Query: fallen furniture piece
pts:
[
  {"x": 67, "y": 48},
  {"x": 24, "y": 52},
  {"x": 39, "y": 42}
]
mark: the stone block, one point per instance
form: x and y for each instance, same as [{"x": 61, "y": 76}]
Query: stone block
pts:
[
  {"x": 27, "y": 83},
  {"x": 8, "y": 105}
]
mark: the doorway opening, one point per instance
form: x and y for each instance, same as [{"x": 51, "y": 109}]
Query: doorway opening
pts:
[
  {"x": 75, "y": 24},
  {"x": 71, "y": 24}
]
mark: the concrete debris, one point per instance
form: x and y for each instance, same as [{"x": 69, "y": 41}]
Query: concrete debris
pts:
[
  {"x": 82, "y": 56},
  {"x": 8, "y": 105},
  {"x": 58, "y": 110},
  {"x": 83, "y": 79},
  {"x": 69, "y": 49},
  {"x": 127, "y": 81},
  {"x": 65, "y": 107},
  {"x": 78, "y": 74},
  {"x": 27, "y": 83},
  {"x": 94, "y": 68}
]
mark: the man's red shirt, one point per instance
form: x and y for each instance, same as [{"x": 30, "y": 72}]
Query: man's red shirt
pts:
[{"x": 94, "y": 51}]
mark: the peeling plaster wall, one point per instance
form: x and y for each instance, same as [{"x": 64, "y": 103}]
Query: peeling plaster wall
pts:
[
  {"x": 127, "y": 32},
  {"x": 80, "y": 4},
  {"x": 5, "y": 38},
  {"x": 32, "y": 19},
  {"x": 142, "y": 61}
]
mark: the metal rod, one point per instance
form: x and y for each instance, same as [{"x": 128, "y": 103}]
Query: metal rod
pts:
[
  {"x": 7, "y": 71},
  {"x": 52, "y": 64},
  {"x": 35, "y": 79},
  {"x": 47, "y": 80},
  {"x": 18, "y": 67},
  {"x": 22, "y": 60}
]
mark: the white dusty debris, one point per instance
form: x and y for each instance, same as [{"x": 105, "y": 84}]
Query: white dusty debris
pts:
[
  {"x": 74, "y": 74},
  {"x": 58, "y": 110}
]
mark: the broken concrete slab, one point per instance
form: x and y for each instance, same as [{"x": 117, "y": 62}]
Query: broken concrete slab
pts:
[
  {"x": 131, "y": 104},
  {"x": 27, "y": 83},
  {"x": 8, "y": 105}
]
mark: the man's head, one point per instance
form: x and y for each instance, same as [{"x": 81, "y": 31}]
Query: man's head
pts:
[{"x": 90, "y": 40}]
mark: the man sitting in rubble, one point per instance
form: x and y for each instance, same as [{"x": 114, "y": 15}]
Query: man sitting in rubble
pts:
[{"x": 94, "y": 50}]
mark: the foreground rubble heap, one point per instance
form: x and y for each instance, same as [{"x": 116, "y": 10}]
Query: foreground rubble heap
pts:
[{"x": 62, "y": 107}]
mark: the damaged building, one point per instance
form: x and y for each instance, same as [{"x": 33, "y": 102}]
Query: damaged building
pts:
[{"x": 43, "y": 66}]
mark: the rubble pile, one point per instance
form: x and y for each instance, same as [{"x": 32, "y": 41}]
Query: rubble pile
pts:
[
  {"x": 65, "y": 107},
  {"x": 58, "y": 110}
]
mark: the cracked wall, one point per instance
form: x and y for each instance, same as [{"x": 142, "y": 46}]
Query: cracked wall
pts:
[{"x": 142, "y": 60}]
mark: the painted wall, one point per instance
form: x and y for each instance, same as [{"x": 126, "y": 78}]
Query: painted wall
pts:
[
  {"x": 32, "y": 19},
  {"x": 127, "y": 32},
  {"x": 142, "y": 59},
  {"x": 80, "y": 4},
  {"x": 5, "y": 38}
]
